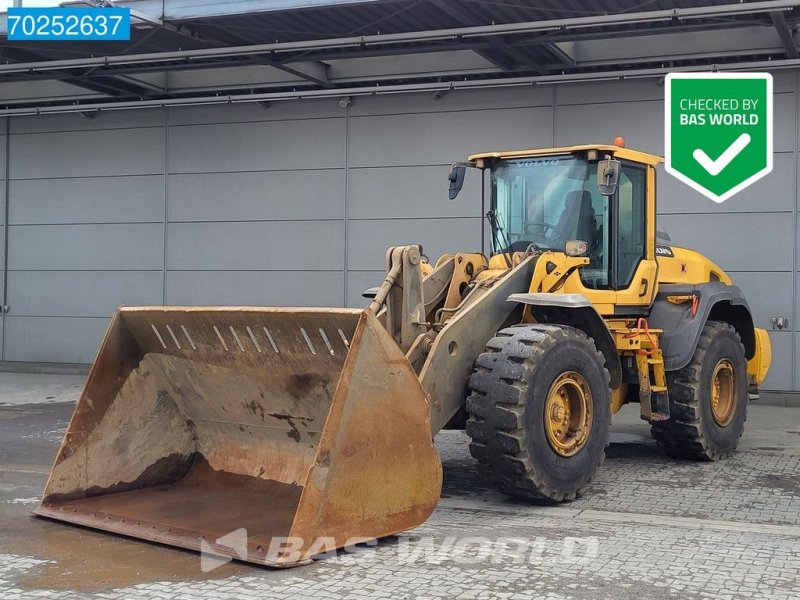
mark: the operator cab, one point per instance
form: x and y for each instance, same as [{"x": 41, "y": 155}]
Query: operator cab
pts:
[
  {"x": 547, "y": 201},
  {"x": 543, "y": 199}
]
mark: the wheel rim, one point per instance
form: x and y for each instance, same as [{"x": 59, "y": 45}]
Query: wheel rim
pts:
[
  {"x": 723, "y": 392},
  {"x": 568, "y": 413}
]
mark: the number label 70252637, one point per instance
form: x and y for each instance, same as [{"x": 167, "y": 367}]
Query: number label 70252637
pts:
[{"x": 62, "y": 24}]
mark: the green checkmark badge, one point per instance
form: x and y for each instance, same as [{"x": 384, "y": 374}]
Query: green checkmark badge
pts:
[{"x": 718, "y": 130}]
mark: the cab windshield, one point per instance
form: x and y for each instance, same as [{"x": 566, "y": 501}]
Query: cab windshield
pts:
[{"x": 546, "y": 201}]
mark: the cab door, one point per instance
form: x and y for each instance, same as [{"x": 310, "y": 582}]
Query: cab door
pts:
[
  {"x": 635, "y": 269},
  {"x": 621, "y": 274}
]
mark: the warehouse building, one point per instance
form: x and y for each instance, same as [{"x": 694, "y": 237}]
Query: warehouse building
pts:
[{"x": 267, "y": 153}]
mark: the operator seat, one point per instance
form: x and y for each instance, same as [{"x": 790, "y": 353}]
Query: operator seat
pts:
[{"x": 577, "y": 220}]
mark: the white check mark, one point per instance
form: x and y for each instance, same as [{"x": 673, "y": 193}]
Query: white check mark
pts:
[{"x": 715, "y": 167}]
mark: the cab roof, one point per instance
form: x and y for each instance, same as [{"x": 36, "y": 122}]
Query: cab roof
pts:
[{"x": 617, "y": 151}]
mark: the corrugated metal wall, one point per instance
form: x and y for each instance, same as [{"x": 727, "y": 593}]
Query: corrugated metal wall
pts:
[{"x": 296, "y": 204}]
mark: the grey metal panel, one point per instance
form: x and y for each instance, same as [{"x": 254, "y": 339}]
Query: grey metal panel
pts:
[
  {"x": 85, "y": 247},
  {"x": 2, "y": 178},
  {"x": 128, "y": 199},
  {"x": 236, "y": 78},
  {"x": 780, "y": 371},
  {"x": 120, "y": 119},
  {"x": 467, "y": 100},
  {"x": 266, "y": 245},
  {"x": 341, "y": 71},
  {"x": 81, "y": 293},
  {"x": 53, "y": 339},
  {"x": 795, "y": 316},
  {"x": 609, "y": 91},
  {"x": 442, "y": 138},
  {"x": 458, "y": 62},
  {"x": 768, "y": 294},
  {"x": 367, "y": 241},
  {"x": 250, "y": 196},
  {"x": 775, "y": 192},
  {"x": 784, "y": 81},
  {"x": 640, "y": 123},
  {"x": 255, "y": 288},
  {"x": 736, "y": 242},
  {"x": 3, "y": 155},
  {"x": 189, "y": 9},
  {"x": 797, "y": 240},
  {"x": 274, "y": 145},
  {"x": 357, "y": 282},
  {"x": 637, "y": 49},
  {"x": 795, "y": 347},
  {"x": 3, "y": 200},
  {"x": 40, "y": 91},
  {"x": 87, "y": 153},
  {"x": 234, "y": 113},
  {"x": 393, "y": 192},
  {"x": 784, "y": 115}
]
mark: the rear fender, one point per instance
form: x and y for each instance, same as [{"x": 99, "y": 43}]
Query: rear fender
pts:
[
  {"x": 576, "y": 311},
  {"x": 682, "y": 325}
]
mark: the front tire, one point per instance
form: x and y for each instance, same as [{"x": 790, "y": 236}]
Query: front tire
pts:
[
  {"x": 539, "y": 411},
  {"x": 707, "y": 398}
]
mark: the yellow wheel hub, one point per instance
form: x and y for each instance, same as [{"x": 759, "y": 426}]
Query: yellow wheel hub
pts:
[
  {"x": 723, "y": 392},
  {"x": 568, "y": 413}
]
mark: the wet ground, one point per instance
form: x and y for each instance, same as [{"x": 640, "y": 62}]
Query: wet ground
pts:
[{"x": 649, "y": 527}]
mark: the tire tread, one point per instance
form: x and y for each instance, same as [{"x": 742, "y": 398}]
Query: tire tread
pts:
[
  {"x": 496, "y": 408},
  {"x": 683, "y": 434}
]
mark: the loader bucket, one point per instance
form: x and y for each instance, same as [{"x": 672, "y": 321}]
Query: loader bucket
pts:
[{"x": 267, "y": 435}]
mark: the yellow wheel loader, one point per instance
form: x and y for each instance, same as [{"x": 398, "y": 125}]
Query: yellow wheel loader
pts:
[{"x": 273, "y": 435}]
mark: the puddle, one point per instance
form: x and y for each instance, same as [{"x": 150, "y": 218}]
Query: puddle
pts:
[{"x": 83, "y": 560}]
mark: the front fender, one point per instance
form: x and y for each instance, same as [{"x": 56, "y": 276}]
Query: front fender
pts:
[{"x": 576, "y": 311}]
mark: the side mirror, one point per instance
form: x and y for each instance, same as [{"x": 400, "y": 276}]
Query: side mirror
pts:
[
  {"x": 456, "y": 179},
  {"x": 576, "y": 248},
  {"x": 608, "y": 175}
]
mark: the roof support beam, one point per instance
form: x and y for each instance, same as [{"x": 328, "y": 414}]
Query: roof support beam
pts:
[
  {"x": 315, "y": 72},
  {"x": 134, "y": 69},
  {"x": 150, "y": 87},
  {"x": 107, "y": 85},
  {"x": 73, "y": 107},
  {"x": 111, "y": 86},
  {"x": 784, "y": 33},
  {"x": 441, "y": 35},
  {"x": 497, "y": 43}
]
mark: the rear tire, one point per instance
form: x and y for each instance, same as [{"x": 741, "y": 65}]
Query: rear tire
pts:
[
  {"x": 539, "y": 411},
  {"x": 707, "y": 419}
]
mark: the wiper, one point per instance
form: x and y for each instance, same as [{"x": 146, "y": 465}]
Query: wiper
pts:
[{"x": 498, "y": 231}]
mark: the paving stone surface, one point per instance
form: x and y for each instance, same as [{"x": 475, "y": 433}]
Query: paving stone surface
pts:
[{"x": 650, "y": 527}]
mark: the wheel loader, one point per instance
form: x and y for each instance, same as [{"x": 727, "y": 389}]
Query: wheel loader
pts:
[{"x": 298, "y": 431}]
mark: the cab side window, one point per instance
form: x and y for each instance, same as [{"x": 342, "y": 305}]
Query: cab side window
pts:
[
  {"x": 595, "y": 229},
  {"x": 631, "y": 223}
]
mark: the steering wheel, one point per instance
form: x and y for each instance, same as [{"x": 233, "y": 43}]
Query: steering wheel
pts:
[{"x": 529, "y": 224}]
